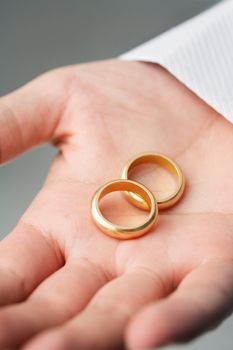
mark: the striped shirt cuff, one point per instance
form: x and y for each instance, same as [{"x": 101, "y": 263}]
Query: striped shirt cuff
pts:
[{"x": 199, "y": 52}]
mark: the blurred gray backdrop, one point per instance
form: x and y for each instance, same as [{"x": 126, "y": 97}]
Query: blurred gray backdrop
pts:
[{"x": 36, "y": 36}]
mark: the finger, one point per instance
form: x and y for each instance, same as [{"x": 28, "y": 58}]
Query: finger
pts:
[
  {"x": 203, "y": 298},
  {"x": 57, "y": 299},
  {"x": 26, "y": 258},
  {"x": 101, "y": 325},
  {"x": 30, "y": 115}
]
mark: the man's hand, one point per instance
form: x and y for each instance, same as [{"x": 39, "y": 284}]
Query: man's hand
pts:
[{"x": 63, "y": 283}]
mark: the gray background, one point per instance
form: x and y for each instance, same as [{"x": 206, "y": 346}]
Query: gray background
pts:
[{"x": 36, "y": 36}]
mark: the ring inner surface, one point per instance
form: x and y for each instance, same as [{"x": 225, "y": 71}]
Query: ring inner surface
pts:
[
  {"x": 163, "y": 162},
  {"x": 126, "y": 186}
]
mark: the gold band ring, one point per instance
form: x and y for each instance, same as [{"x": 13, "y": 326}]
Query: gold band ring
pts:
[
  {"x": 122, "y": 232},
  {"x": 163, "y": 161}
]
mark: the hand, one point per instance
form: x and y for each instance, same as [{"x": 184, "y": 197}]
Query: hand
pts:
[{"x": 63, "y": 283}]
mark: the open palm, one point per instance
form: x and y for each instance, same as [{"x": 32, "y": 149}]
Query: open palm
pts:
[{"x": 64, "y": 284}]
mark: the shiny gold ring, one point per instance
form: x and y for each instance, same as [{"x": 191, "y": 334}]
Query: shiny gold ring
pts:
[
  {"x": 122, "y": 232},
  {"x": 163, "y": 161}
]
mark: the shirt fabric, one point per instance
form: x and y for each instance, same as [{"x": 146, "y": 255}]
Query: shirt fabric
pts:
[{"x": 199, "y": 52}]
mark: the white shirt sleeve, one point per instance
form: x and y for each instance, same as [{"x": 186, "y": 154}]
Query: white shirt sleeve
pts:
[{"x": 199, "y": 52}]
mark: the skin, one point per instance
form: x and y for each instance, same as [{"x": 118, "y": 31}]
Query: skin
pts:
[{"x": 65, "y": 285}]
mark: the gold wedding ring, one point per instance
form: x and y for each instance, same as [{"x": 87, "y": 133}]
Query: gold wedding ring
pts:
[
  {"x": 163, "y": 161},
  {"x": 124, "y": 232}
]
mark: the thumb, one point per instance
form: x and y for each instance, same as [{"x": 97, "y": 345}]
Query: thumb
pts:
[{"x": 29, "y": 116}]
